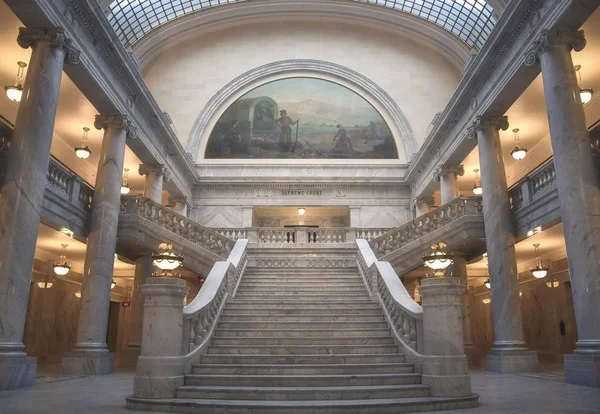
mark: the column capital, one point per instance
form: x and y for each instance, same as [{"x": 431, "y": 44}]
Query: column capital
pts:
[
  {"x": 447, "y": 169},
  {"x": 483, "y": 122},
  {"x": 55, "y": 36},
  {"x": 572, "y": 39},
  {"x": 145, "y": 169},
  {"x": 117, "y": 121},
  {"x": 421, "y": 200},
  {"x": 182, "y": 199}
]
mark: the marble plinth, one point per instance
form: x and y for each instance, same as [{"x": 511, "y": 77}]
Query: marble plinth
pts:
[
  {"x": 582, "y": 369},
  {"x": 512, "y": 361},
  {"x": 88, "y": 363},
  {"x": 17, "y": 371},
  {"x": 447, "y": 376},
  {"x": 158, "y": 377}
]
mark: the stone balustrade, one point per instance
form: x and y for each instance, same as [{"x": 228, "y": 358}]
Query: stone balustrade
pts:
[
  {"x": 404, "y": 315},
  {"x": 276, "y": 235},
  {"x": 201, "y": 315},
  {"x": 370, "y": 234},
  {"x": 325, "y": 235},
  {"x": 231, "y": 233},
  {"x": 540, "y": 181},
  {"x": 425, "y": 224},
  {"x": 176, "y": 223}
]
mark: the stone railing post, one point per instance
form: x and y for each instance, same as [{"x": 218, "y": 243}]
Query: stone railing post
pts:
[
  {"x": 301, "y": 235},
  {"x": 159, "y": 374},
  {"x": 445, "y": 367}
]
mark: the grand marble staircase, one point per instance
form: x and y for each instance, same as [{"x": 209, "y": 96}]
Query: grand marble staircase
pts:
[{"x": 302, "y": 340}]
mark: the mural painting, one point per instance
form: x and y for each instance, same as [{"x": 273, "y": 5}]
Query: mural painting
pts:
[{"x": 301, "y": 118}]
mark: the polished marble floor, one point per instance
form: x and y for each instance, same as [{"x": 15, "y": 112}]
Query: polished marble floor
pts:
[{"x": 541, "y": 393}]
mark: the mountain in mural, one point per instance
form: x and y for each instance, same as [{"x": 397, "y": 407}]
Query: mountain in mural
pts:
[{"x": 311, "y": 111}]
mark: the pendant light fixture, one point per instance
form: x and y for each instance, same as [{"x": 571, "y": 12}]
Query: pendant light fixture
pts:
[
  {"x": 539, "y": 271},
  {"x": 486, "y": 300},
  {"x": 518, "y": 153},
  {"x": 438, "y": 260},
  {"x": 15, "y": 92},
  {"x": 83, "y": 152},
  {"x": 62, "y": 267},
  {"x": 477, "y": 190},
  {"x": 125, "y": 188},
  {"x": 301, "y": 211},
  {"x": 78, "y": 294},
  {"x": 166, "y": 260},
  {"x": 584, "y": 93},
  {"x": 488, "y": 284},
  {"x": 112, "y": 284}
]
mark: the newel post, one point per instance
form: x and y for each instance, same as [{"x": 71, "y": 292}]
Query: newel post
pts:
[
  {"x": 158, "y": 373},
  {"x": 445, "y": 367}
]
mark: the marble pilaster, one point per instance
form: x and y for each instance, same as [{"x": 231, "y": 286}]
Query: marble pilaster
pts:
[
  {"x": 421, "y": 205},
  {"x": 159, "y": 372},
  {"x": 447, "y": 175},
  {"x": 445, "y": 367},
  {"x": 155, "y": 175},
  {"x": 579, "y": 192},
  {"x": 90, "y": 355},
  {"x": 143, "y": 270},
  {"x": 509, "y": 352},
  {"x": 181, "y": 204},
  {"x": 22, "y": 194}
]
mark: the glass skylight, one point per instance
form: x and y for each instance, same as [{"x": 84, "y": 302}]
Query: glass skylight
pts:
[{"x": 471, "y": 21}]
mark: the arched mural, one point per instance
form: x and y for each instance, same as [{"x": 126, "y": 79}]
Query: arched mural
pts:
[{"x": 301, "y": 118}]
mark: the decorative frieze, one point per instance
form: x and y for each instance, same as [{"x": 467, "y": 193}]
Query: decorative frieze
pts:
[
  {"x": 55, "y": 36},
  {"x": 573, "y": 39}
]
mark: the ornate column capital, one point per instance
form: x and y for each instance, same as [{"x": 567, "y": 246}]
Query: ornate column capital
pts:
[
  {"x": 421, "y": 200},
  {"x": 161, "y": 169},
  {"x": 447, "y": 169},
  {"x": 182, "y": 199},
  {"x": 573, "y": 39},
  {"x": 483, "y": 122},
  {"x": 55, "y": 36},
  {"x": 116, "y": 121}
]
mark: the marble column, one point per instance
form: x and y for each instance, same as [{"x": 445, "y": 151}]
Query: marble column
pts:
[
  {"x": 579, "y": 192},
  {"x": 180, "y": 205},
  {"x": 90, "y": 355},
  {"x": 155, "y": 175},
  {"x": 421, "y": 205},
  {"x": 509, "y": 352},
  {"x": 445, "y": 368},
  {"x": 143, "y": 271},
  {"x": 459, "y": 270},
  {"x": 23, "y": 192},
  {"x": 447, "y": 175}
]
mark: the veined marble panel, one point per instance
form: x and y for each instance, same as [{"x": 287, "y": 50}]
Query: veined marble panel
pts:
[{"x": 218, "y": 216}]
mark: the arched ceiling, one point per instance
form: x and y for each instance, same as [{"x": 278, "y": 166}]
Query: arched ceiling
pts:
[{"x": 471, "y": 21}]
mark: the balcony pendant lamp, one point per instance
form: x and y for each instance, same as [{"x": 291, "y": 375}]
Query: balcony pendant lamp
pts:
[
  {"x": 488, "y": 284},
  {"x": 438, "y": 260},
  {"x": 62, "y": 267},
  {"x": 166, "y": 260},
  {"x": 538, "y": 271},
  {"x": 125, "y": 188},
  {"x": 15, "y": 92},
  {"x": 301, "y": 211},
  {"x": 83, "y": 152},
  {"x": 477, "y": 190},
  {"x": 518, "y": 153},
  {"x": 584, "y": 93}
]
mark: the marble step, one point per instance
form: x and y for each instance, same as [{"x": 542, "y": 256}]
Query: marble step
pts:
[
  {"x": 302, "y": 312},
  {"x": 300, "y": 286},
  {"x": 303, "y": 270},
  {"x": 289, "y": 332},
  {"x": 354, "y": 406},
  {"x": 303, "y": 393},
  {"x": 304, "y": 291},
  {"x": 294, "y": 301},
  {"x": 302, "y": 380},
  {"x": 339, "y": 295},
  {"x": 293, "y": 307},
  {"x": 301, "y": 279},
  {"x": 278, "y": 318},
  {"x": 315, "y": 341},
  {"x": 304, "y": 369},
  {"x": 301, "y": 359},
  {"x": 245, "y": 324},
  {"x": 302, "y": 349}
]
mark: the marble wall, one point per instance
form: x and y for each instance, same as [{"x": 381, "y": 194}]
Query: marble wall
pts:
[{"x": 543, "y": 309}]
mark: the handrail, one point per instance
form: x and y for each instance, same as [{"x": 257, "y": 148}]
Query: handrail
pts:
[
  {"x": 177, "y": 223},
  {"x": 404, "y": 315},
  {"x": 201, "y": 315},
  {"x": 425, "y": 224}
]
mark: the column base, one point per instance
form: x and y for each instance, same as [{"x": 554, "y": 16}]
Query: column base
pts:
[
  {"x": 474, "y": 355},
  {"x": 88, "y": 363},
  {"x": 583, "y": 369},
  {"x": 17, "y": 371},
  {"x": 512, "y": 361},
  {"x": 158, "y": 377},
  {"x": 129, "y": 356},
  {"x": 447, "y": 376}
]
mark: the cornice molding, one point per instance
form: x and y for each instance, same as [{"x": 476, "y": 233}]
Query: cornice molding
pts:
[
  {"x": 401, "y": 23},
  {"x": 299, "y": 186},
  {"x": 216, "y": 105}
]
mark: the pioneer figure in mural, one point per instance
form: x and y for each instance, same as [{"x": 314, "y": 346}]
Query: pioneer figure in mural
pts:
[
  {"x": 285, "y": 137},
  {"x": 231, "y": 138},
  {"x": 342, "y": 140}
]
